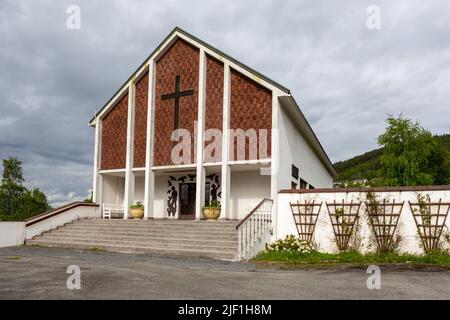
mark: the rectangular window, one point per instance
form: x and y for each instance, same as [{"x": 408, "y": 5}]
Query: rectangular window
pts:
[
  {"x": 293, "y": 185},
  {"x": 303, "y": 184},
  {"x": 294, "y": 172}
]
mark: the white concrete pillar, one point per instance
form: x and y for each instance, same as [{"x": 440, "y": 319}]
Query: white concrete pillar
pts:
[
  {"x": 226, "y": 171},
  {"x": 200, "y": 179},
  {"x": 274, "y": 170},
  {"x": 97, "y": 185},
  {"x": 149, "y": 190},
  {"x": 129, "y": 175}
]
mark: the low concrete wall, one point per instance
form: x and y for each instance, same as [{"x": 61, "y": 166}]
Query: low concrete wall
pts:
[
  {"x": 59, "y": 217},
  {"x": 12, "y": 234},
  {"x": 363, "y": 239}
]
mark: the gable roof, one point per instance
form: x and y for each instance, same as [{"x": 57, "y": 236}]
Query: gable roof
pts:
[
  {"x": 201, "y": 42},
  {"x": 286, "y": 100}
]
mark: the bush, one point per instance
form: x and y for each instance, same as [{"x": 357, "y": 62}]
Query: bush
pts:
[{"x": 290, "y": 244}]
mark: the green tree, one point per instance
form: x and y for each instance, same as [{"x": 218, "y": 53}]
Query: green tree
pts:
[
  {"x": 16, "y": 202},
  {"x": 31, "y": 203},
  {"x": 11, "y": 188},
  {"x": 407, "y": 152},
  {"x": 439, "y": 164}
]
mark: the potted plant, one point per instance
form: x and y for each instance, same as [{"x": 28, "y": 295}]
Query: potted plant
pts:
[
  {"x": 137, "y": 210},
  {"x": 212, "y": 211}
]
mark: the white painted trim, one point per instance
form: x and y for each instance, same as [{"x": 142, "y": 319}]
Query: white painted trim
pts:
[
  {"x": 112, "y": 171},
  {"x": 129, "y": 175},
  {"x": 200, "y": 178},
  {"x": 149, "y": 188},
  {"x": 275, "y": 154},
  {"x": 178, "y": 166},
  {"x": 97, "y": 179},
  {"x": 138, "y": 169},
  {"x": 212, "y": 164},
  {"x": 225, "y": 170},
  {"x": 255, "y": 161}
]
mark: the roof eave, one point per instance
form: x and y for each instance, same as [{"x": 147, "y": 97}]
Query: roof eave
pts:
[{"x": 201, "y": 42}]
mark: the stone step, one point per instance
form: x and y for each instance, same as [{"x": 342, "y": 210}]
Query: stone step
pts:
[
  {"x": 159, "y": 244},
  {"x": 217, "y": 239},
  {"x": 150, "y": 229},
  {"x": 150, "y": 223},
  {"x": 155, "y": 234},
  {"x": 225, "y": 242},
  {"x": 138, "y": 248},
  {"x": 159, "y": 221}
]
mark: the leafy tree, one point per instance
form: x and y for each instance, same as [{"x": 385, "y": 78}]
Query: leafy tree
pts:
[
  {"x": 439, "y": 164},
  {"x": 16, "y": 202},
  {"x": 11, "y": 187},
  {"x": 407, "y": 152}
]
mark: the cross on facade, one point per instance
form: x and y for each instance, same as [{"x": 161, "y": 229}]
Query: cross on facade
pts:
[{"x": 177, "y": 95}]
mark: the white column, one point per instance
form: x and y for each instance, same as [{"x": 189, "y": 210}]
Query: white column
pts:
[
  {"x": 200, "y": 179},
  {"x": 226, "y": 171},
  {"x": 274, "y": 170},
  {"x": 97, "y": 184},
  {"x": 129, "y": 175},
  {"x": 149, "y": 174}
]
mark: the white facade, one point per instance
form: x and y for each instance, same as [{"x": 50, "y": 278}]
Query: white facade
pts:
[{"x": 243, "y": 184}]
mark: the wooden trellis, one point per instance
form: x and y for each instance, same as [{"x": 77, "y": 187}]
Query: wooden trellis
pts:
[
  {"x": 305, "y": 217},
  {"x": 343, "y": 217},
  {"x": 383, "y": 217},
  {"x": 430, "y": 221}
]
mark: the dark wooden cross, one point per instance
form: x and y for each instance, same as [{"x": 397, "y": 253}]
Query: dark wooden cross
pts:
[{"x": 177, "y": 95}]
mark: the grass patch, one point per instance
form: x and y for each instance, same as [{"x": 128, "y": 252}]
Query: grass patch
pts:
[
  {"x": 317, "y": 258},
  {"x": 13, "y": 258}
]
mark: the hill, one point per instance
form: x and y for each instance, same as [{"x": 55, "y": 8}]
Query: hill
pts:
[{"x": 367, "y": 165}]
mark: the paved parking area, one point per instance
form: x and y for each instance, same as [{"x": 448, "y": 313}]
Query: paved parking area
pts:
[{"x": 40, "y": 273}]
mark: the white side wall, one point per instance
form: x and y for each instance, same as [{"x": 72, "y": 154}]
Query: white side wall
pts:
[
  {"x": 61, "y": 219},
  {"x": 324, "y": 235},
  {"x": 247, "y": 189},
  {"x": 139, "y": 189},
  {"x": 294, "y": 149},
  {"x": 12, "y": 234},
  {"x": 113, "y": 189}
]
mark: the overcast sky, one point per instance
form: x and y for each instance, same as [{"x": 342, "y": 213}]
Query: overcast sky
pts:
[{"x": 345, "y": 76}]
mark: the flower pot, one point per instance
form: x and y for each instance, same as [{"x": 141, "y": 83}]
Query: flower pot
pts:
[
  {"x": 137, "y": 213},
  {"x": 211, "y": 213}
]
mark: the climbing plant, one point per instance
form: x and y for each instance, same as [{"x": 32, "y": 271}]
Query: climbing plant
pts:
[
  {"x": 343, "y": 218},
  {"x": 430, "y": 220},
  {"x": 305, "y": 217},
  {"x": 383, "y": 218}
]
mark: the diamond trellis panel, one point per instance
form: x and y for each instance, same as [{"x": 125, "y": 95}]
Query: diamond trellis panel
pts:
[
  {"x": 214, "y": 96},
  {"x": 140, "y": 122},
  {"x": 251, "y": 108},
  {"x": 114, "y": 136},
  {"x": 182, "y": 59}
]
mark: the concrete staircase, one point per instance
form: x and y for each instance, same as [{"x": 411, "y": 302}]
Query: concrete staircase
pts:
[{"x": 211, "y": 239}]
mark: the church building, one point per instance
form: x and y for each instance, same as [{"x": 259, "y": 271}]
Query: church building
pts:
[{"x": 192, "y": 126}]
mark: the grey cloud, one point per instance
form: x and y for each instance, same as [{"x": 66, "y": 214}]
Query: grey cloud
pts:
[{"x": 345, "y": 77}]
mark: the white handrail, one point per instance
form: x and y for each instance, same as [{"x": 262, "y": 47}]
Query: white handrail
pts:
[{"x": 255, "y": 230}]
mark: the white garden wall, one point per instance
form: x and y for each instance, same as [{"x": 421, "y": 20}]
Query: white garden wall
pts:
[
  {"x": 324, "y": 236},
  {"x": 56, "y": 219},
  {"x": 12, "y": 234}
]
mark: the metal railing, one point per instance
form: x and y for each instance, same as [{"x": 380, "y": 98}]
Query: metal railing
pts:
[{"x": 255, "y": 230}]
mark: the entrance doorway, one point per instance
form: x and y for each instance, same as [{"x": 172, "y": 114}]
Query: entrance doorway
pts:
[{"x": 187, "y": 201}]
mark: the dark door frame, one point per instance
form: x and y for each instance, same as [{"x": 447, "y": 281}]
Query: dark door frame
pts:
[{"x": 191, "y": 198}]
